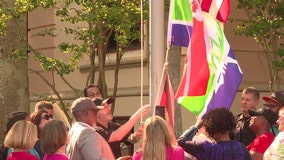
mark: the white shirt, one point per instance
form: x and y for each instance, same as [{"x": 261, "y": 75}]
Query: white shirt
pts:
[{"x": 276, "y": 150}]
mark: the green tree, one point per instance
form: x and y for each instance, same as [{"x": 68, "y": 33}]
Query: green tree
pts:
[
  {"x": 14, "y": 84},
  {"x": 101, "y": 19},
  {"x": 265, "y": 24},
  {"x": 98, "y": 22},
  {"x": 104, "y": 20}
]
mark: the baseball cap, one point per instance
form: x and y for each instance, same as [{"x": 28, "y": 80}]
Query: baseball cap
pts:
[
  {"x": 100, "y": 101},
  {"x": 83, "y": 103},
  {"x": 267, "y": 113},
  {"x": 276, "y": 97}
]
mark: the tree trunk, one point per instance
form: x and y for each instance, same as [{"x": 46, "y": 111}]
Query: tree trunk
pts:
[
  {"x": 101, "y": 59},
  {"x": 275, "y": 83},
  {"x": 14, "y": 91}
]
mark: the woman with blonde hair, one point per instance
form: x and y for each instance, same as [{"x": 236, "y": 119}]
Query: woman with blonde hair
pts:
[
  {"x": 12, "y": 119},
  {"x": 157, "y": 142},
  {"x": 21, "y": 137},
  {"x": 53, "y": 140}
]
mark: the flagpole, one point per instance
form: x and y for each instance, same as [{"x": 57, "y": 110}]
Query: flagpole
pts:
[{"x": 156, "y": 48}]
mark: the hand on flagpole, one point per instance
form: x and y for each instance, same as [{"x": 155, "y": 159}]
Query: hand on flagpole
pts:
[{"x": 138, "y": 133}]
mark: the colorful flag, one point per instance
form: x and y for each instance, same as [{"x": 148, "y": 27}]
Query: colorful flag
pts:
[
  {"x": 180, "y": 23},
  {"x": 225, "y": 72},
  {"x": 192, "y": 89},
  {"x": 211, "y": 75},
  {"x": 220, "y": 9}
]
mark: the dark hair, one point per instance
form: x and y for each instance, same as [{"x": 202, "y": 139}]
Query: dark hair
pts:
[
  {"x": 85, "y": 91},
  {"x": 53, "y": 136},
  {"x": 3, "y": 151},
  {"x": 36, "y": 119},
  {"x": 15, "y": 117},
  {"x": 160, "y": 111},
  {"x": 252, "y": 90},
  {"x": 43, "y": 104},
  {"x": 219, "y": 120}
]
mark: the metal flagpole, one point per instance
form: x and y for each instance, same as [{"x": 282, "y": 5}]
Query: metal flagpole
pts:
[{"x": 157, "y": 48}]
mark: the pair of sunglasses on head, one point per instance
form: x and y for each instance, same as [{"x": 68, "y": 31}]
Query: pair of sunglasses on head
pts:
[{"x": 49, "y": 116}]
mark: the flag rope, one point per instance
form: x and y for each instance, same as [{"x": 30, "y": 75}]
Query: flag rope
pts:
[
  {"x": 165, "y": 69},
  {"x": 141, "y": 60}
]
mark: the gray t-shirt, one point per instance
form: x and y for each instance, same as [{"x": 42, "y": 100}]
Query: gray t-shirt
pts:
[{"x": 86, "y": 144}]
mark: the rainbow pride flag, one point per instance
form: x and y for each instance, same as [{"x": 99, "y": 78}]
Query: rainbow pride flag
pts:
[
  {"x": 180, "y": 23},
  {"x": 181, "y": 19},
  {"x": 220, "y": 9},
  {"x": 211, "y": 74}
]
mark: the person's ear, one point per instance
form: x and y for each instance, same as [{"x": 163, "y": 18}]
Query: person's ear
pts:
[
  {"x": 264, "y": 119},
  {"x": 85, "y": 112}
]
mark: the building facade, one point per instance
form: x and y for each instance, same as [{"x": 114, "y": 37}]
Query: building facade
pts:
[{"x": 249, "y": 54}]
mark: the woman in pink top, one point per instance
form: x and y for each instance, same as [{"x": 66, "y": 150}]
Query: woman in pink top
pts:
[
  {"x": 54, "y": 136},
  {"x": 21, "y": 137},
  {"x": 157, "y": 142}
]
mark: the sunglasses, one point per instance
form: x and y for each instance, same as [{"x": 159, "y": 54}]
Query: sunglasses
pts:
[
  {"x": 47, "y": 117},
  {"x": 271, "y": 105}
]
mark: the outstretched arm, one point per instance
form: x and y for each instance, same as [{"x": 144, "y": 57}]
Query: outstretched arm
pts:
[{"x": 118, "y": 134}]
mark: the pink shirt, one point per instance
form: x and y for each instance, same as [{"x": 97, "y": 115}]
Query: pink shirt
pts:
[
  {"x": 55, "y": 157},
  {"x": 261, "y": 142},
  {"x": 172, "y": 153},
  {"x": 21, "y": 156}
]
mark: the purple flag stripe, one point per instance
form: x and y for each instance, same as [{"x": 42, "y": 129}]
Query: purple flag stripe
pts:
[{"x": 181, "y": 35}]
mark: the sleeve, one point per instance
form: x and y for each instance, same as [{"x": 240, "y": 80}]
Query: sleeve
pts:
[
  {"x": 179, "y": 152},
  {"x": 89, "y": 145},
  {"x": 103, "y": 132},
  {"x": 236, "y": 133},
  {"x": 137, "y": 155},
  {"x": 276, "y": 147},
  {"x": 261, "y": 143},
  {"x": 125, "y": 139},
  {"x": 189, "y": 133},
  {"x": 191, "y": 147}
]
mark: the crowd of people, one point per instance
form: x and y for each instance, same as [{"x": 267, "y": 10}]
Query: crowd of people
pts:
[{"x": 257, "y": 133}]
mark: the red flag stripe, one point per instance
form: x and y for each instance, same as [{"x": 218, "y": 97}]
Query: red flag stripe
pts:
[
  {"x": 205, "y": 5},
  {"x": 220, "y": 9},
  {"x": 199, "y": 73}
]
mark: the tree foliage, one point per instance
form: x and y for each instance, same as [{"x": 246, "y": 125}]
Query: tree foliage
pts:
[
  {"x": 13, "y": 62},
  {"x": 265, "y": 24},
  {"x": 92, "y": 23},
  {"x": 21, "y": 7},
  {"x": 102, "y": 20}
]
